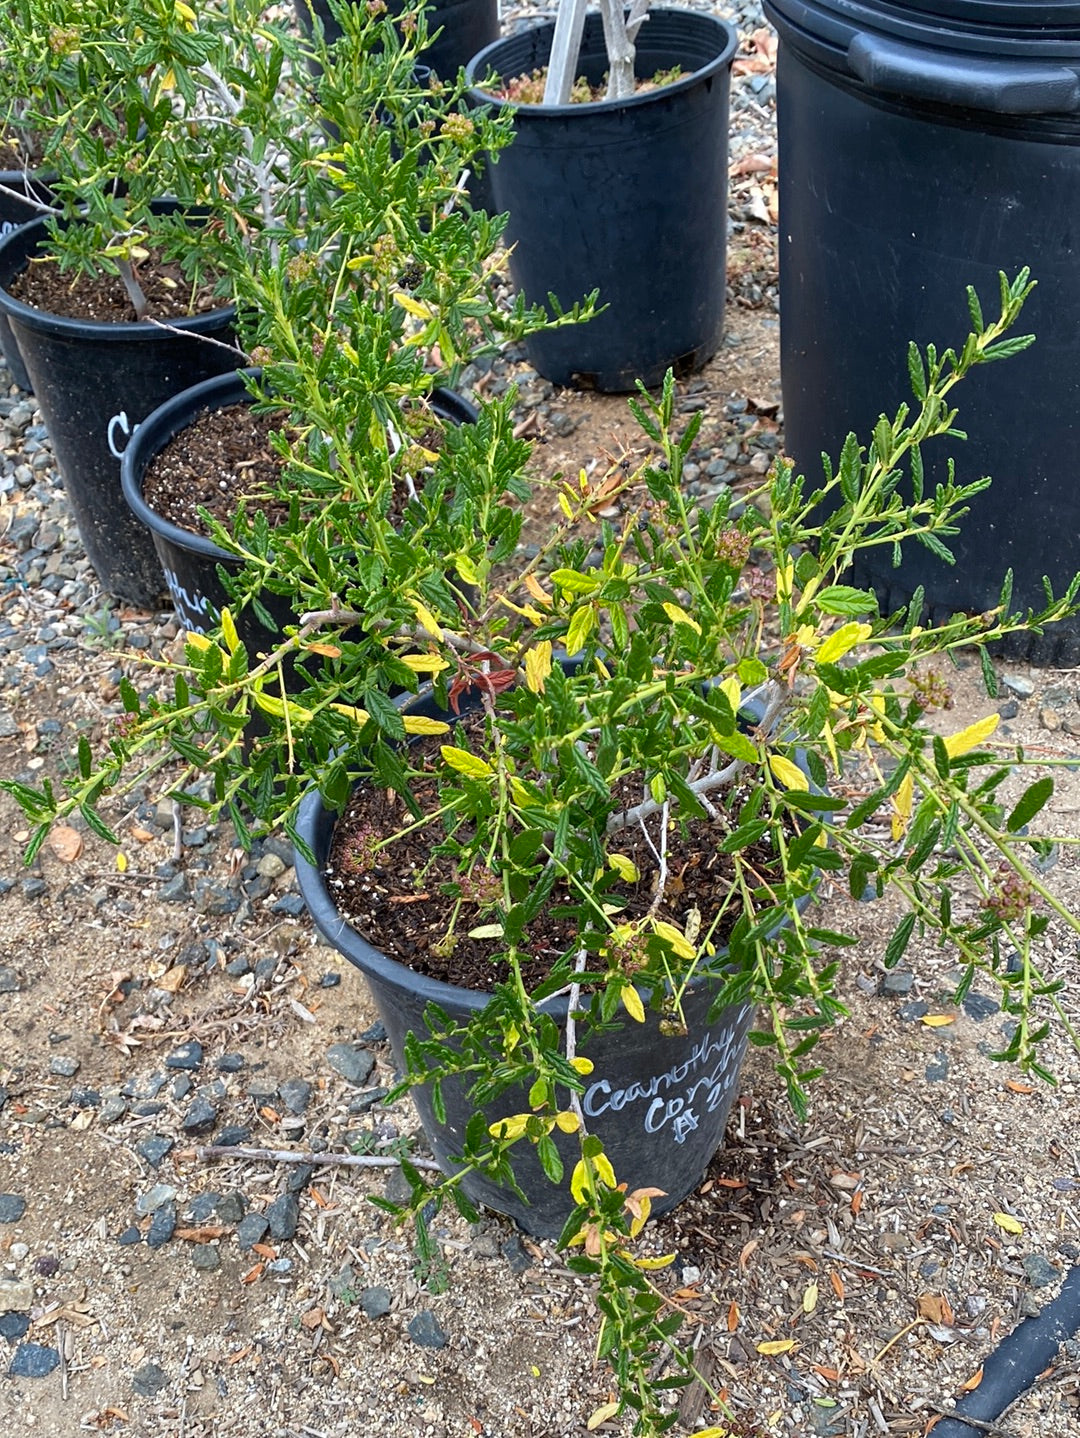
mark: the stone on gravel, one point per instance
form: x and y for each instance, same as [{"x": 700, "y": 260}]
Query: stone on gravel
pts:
[
  {"x": 9, "y": 980},
  {"x": 233, "y": 1136},
  {"x": 375, "y": 1303},
  {"x": 230, "y": 1207},
  {"x": 299, "y": 1177},
  {"x": 200, "y": 1117},
  {"x": 899, "y": 981},
  {"x": 149, "y": 1380},
  {"x": 130, "y": 1236},
  {"x": 1018, "y": 684},
  {"x": 230, "y": 1063},
  {"x": 162, "y": 1226},
  {"x": 283, "y": 1215},
  {"x": 16, "y": 1295},
  {"x": 937, "y": 1070},
  {"x": 516, "y": 1255},
  {"x": 251, "y": 1230},
  {"x": 426, "y": 1331},
  {"x": 187, "y": 1056},
  {"x": 154, "y": 1148},
  {"x": 33, "y": 1360},
  {"x": 1040, "y": 1273},
  {"x": 64, "y": 1066},
  {"x": 980, "y": 1006},
  {"x": 14, "y": 1326},
  {"x": 206, "y": 1257},
  {"x": 295, "y": 1094},
  {"x": 12, "y": 1207},
  {"x": 351, "y": 1061},
  {"x": 154, "y": 1197}
]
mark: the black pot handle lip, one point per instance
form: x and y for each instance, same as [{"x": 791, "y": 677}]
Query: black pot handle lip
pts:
[{"x": 1002, "y": 87}]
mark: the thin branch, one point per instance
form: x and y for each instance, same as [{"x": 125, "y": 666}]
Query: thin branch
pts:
[{"x": 571, "y": 1034}]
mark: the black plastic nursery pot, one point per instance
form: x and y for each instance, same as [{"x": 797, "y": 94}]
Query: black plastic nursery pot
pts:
[
  {"x": 465, "y": 25},
  {"x": 96, "y": 382},
  {"x": 627, "y": 196},
  {"x": 924, "y": 147},
  {"x": 190, "y": 561},
  {"x": 659, "y": 1103},
  {"x": 18, "y": 190}
]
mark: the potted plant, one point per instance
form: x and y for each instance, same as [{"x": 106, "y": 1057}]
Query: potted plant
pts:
[
  {"x": 210, "y": 116},
  {"x": 646, "y": 164},
  {"x": 623, "y": 842}
]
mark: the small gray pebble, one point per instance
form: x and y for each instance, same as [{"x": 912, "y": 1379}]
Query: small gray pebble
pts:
[
  {"x": 980, "y": 1006},
  {"x": 251, "y": 1229},
  {"x": 12, "y": 1207},
  {"x": 33, "y": 1360},
  {"x": 154, "y": 1197},
  {"x": 149, "y": 1380},
  {"x": 205, "y": 1257},
  {"x": 352, "y": 1062},
  {"x": 200, "y": 1117},
  {"x": 898, "y": 981},
  {"x": 230, "y": 1063},
  {"x": 162, "y": 1226},
  {"x": 14, "y": 1326},
  {"x": 9, "y": 980},
  {"x": 426, "y": 1331},
  {"x": 129, "y": 1236},
  {"x": 516, "y": 1255},
  {"x": 295, "y": 1094},
  {"x": 938, "y": 1069},
  {"x": 187, "y": 1056},
  {"x": 233, "y": 1135},
  {"x": 230, "y": 1207},
  {"x": 64, "y": 1066},
  {"x": 182, "y": 1085},
  {"x": 1039, "y": 1273},
  {"x": 154, "y": 1148},
  {"x": 283, "y": 1215},
  {"x": 375, "y": 1303},
  {"x": 914, "y": 1010}
]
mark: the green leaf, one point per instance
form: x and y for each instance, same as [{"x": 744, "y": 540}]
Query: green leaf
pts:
[
  {"x": 580, "y": 627},
  {"x": 894, "y": 949},
  {"x": 549, "y": 1158},
  {"x": 843, "y": 599},
  {"x": 751, "y": 672},
  {"x": 97, "y": 824},
  {"x": 975, "y": 310},
  {"x": 744, "y": 836},
  {"x": 738, "y": 746},
  {"x": 86, "y": 757},
  {"x": 573, "y": 582},
  {"x": 916, "y": 371},
  {"x": 385, "y": 713},
  {"x": 1030, "y": 802},
  {"x": 471, "y": 765}
]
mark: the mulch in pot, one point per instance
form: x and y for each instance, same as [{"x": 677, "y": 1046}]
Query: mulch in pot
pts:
[
  {"x": 78, "y": 296},
  {"x": 395, "y": 897}
]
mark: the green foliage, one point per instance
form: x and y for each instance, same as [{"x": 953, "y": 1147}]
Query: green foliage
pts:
[{"x": 694, "y": 701}]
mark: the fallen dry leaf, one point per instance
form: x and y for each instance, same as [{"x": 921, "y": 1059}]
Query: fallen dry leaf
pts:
[
  {"x": 66, "y": 843},
  {"x": 312, "y": 1318},
  {"x": 752, "y": 164},
  {"x": 938, "y": 1021},
  {"x": 172, "y": 980},
  {"x": 776, "y": 1346},
  {"x": 973, "y": 1382},
  {"x": 935, "y": 1308},
  {"x": 204, "y": 1233},
  {"x": 142, "y": 835},
  {"x": 1008, "y": 1223},
  {"x": 732, "y": 1317}
]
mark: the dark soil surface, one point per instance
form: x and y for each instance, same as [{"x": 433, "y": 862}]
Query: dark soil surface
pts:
[
  {"x": 401, "y": 899},
  {"x": 223, "y": 457},
  {"x": 80, "y": 297}
]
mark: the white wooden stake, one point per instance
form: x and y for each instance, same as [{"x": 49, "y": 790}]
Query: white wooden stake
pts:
[{"x": 565, "y": 48}]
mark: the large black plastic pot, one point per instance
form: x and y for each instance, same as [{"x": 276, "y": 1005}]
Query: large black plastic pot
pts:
[
  {"x": 18, "y": 190},
  {"x": 628, "y": 196},
  {"x": 466, "y": 26},
  {"x": 924, "y": 147},
  {"x": 95, "y": 382},
  {"x": 191, "y": 561},
  {"x": 659, "y": 1102}
]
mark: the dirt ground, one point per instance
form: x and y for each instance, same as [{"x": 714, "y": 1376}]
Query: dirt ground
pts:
[{"x": 845, "y": 1277}]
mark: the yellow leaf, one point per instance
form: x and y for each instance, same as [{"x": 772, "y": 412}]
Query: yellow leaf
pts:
[
  {"x": 350, "y": 711},
  {"x": 711, "y": 1433},
  {"x": 579, "y": 1183},
  {"x": 487, "y": 931},
  {"x": 602, "y": 1414},
  {"x": 971, "y": 737},
  {"x": 675, "y": 938},
  {"x": 841, "y": 640},
  {"x": 604, "y": 1170},
  {"x": 413, "y": 306},
  {"x": 649, "y": 1265},
  {"x": 1008, "y": 1223},
  {"x": 512, "y": 1127},
  {"x": 426, "y": 618},
  {"x": 228, "y": 629},
  {"x": 938, "y": 1021},
  {"x": 328, "y": 651},
  {"x": 197, "y": 641},
  {"x": 732, "y": 691},
  {"x": 582, "y": 1064},
  {"x": 777, "y": 1345},
  {"x": 567, "y": 1122},
  {"x": 631, "y": 1002},
  {"x": 421, "y": 724},
  {"x": 538, "y": 666},
  {"x": 680, "y": 616},
  {"x": 121, "y": 862},
  {"x": 789, "y": 774},
  {"x": 902, "y": 801},
  {"x": 624, "y": 867},
  {"x": 424, "y": 663},
  {"x": 810, "y": 1298},
  {"x": 471, "y": 765}
]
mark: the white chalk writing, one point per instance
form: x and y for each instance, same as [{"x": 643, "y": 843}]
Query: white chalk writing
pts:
[
  {"x": 193, "y": 609},
  {"x": 702, "y": 1079},
  {"x": 119, "y": 427}
]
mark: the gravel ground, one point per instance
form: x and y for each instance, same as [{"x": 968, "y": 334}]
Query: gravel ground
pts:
[{"x": 847, "y": 1277}]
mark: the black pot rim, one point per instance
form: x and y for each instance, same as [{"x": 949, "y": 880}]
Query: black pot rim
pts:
[
  {"x": 209, "y": 394},
  {"x": 727, "y": 42},
  {"x": 134, "y": 462},
  {"x": 101, "y": 331}
]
